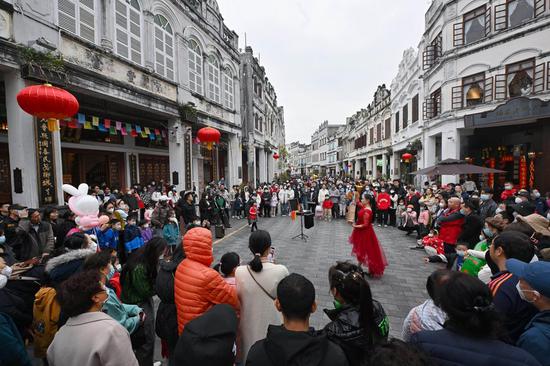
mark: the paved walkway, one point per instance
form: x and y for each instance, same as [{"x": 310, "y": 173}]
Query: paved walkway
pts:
[{"x": 401, "y": 288}]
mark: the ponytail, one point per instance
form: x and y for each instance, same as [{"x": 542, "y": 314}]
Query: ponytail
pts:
[
  {"x": 258, "y": 243},
  {"x": 256, "y": 263},
  {"x": 366, "y": 309}
]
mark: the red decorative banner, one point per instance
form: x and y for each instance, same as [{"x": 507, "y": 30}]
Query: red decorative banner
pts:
[
  {"x": 523, "y": 172},
  {"x": 491, "y": 180},
  {"x": 532, "y": 173}
]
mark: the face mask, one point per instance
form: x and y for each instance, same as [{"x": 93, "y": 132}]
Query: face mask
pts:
[
  {"x": 522, "y": 293},
  {"x": 337, "y": 304},
  {"x": 518, "y": 200},
  {"x": 460, "y": 253},
  {"x": 442, "y": 205},
  {"x": 392, "y": 192},
  {"x": 484, "y": 197},
  {"x": 118, "y": 267},
  {"x": 462, "y": 211},
  {"x": 382, "y": 190},
  {"x": 488, "y": 233},
  {"x": 111, "y": 272},
  {"x": 2, "y": 239},
  {"x": 431, "y": 235},
  {"x": 498, "y": 210},
  {"x": 481, "y": 237},
  {"x": 434, "y": 188},
  {"x": 507, "y": 187},
  {"x": 536, "y": 194},
  {"x": 409, "y": 209},
  {"x": 111, "y": 210}
]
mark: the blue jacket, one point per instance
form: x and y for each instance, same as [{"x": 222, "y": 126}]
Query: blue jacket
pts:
[
  {"x": 12, "y": 351},
  {"x": 108, "y": 239},
  {"x": 171, "y": 233},
  {"x": 447, "y": 348},
  {"x": 125, "y": 314},
  {"x": 536, "y": 339}
]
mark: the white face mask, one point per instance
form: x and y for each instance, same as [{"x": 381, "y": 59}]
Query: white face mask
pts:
[
  {"x": 431, "y": 235},
  {"x": 460, "y": 253},
  {"x": 409, "y": 209},
  {"x": 518, "y": 200},
  {"x": 522, "y": 293}
]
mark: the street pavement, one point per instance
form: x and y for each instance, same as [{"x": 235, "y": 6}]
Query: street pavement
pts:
[{"x": 401, "y": 288}]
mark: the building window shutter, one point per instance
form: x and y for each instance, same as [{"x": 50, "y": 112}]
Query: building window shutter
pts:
[
  {"x": 458, "y": 34},
  {"x": 457, "y": 99},
  {"x": 548, "y": 76},
  {"x": 228, "y": 94},
  {"x": 67, "y": 15},
  {"x": 128, "y": 30},
  {"x": 379, "y": 132},
  {"x": 415, "y": 105},
  {"x": 397, "y": 122},
  {"x": 164, "y": 46},
  {"x": 501, "y": 17},
  {"x": 87, "y": 20},
  {"x": 387, "y": 128},
  {"x": 540, "y": 7},
  {"x": 405, "y": 115},
  {"x": 428, "y": 108},
  {"x": 488, "y": 89},
  {"x": 538, "y": 82},
  {"x": 428, "y": 57},
  {"x": 500, "y": 87},
  {"x": 195, "y": 67},
  {"x": 487, "y": 21}
]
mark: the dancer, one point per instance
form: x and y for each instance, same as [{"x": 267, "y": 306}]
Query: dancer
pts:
[{"x": 366, "y": 247}]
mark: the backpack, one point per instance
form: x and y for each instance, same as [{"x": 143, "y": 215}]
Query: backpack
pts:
[{"x": 46, "y": 312}]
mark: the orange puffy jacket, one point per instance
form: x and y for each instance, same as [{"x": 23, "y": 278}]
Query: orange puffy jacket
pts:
[{"x": 198, "y": 287}]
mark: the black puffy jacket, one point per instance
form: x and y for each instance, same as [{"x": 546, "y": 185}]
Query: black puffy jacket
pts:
[
  {"x": 346, "y": 331},
  {"x": 167, "y": 317}
]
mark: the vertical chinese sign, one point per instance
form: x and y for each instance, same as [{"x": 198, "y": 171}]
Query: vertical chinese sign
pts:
[
  {"x": 46, "y": 164},
  {"x": 133, "y": 169},
  {"x": 188, "y": 158}
]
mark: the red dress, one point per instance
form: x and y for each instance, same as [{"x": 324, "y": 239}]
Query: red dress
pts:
[{"x": 366, "y": 247}]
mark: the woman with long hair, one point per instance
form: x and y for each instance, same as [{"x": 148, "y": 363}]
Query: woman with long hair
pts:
[
  {"x": 359, "y": 322},
  {"x": 471, "y": 335},
  {"x": 256, "y": 287},
  {"x": 138, "y": 287},
  {"x": 366, "y": 247}
]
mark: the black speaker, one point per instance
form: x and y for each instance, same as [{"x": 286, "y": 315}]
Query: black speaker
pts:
[
  {"x": 293, "y": 204},
  {"x": 309, "y": 221}
]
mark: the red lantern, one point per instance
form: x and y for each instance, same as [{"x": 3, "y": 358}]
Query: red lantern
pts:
[
  {"x": 209, "y": 135},
  {"x": 276, "y": 156},
  {"x": 406, "y": 157},
  {"x": 48, "y": 102}
]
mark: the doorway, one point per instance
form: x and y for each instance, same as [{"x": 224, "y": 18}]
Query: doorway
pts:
[
  {"x": 94, "y": 168},
  {"x": 5, "y": 175}
]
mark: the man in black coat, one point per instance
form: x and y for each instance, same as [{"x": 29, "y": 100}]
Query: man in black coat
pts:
[
  {"x": 294, "y": 342},
  {"x": 472, "y": 223},
  {"x": 488, "y": 206},
  {"x": 186, "y": 208}
]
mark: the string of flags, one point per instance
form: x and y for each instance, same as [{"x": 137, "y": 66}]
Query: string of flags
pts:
[{"x": 113, "y": 127}]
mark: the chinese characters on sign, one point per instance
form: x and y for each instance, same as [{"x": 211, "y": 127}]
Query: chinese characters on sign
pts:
[
  {"x": 133, "y": 169},
  {"x": 187, "y": 162},
  {"x": 46, "y": 167}
]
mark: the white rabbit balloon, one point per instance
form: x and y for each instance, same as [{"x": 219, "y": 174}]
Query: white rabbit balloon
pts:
[{"x": 85, "y": 207}]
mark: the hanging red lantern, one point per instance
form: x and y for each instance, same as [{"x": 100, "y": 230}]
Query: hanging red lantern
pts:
[
  {"x": 276, "y": 156},
  {"x": 48, "y": 102},
  {"x": 406, "y": 157},
  {"x": 209, "y": 135}
]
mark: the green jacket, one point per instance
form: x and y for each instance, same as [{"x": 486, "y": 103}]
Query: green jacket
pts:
[
  {"x": 126, "y": 315},
  {"x": 136, "y": 287}
]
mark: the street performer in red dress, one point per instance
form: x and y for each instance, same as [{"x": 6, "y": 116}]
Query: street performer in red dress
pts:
[{"x": 366, "y": 247}]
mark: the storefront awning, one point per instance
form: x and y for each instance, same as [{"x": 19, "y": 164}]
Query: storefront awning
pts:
[{"x": 516, "y": 111}]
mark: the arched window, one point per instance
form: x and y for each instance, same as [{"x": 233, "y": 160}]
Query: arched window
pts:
[
  {"x": 77, "y": 17},
  {"x": 228, "y": 93},
  {"x": 128, "y": 30},
  {"x": 213, "y": 79},
  {"x": 164, "y": 47},
  {"x": 195, "y": 67}
]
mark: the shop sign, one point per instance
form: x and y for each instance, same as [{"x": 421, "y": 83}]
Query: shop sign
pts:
[
  {"x": 133, "y": 169},
  {"x": 515, "y": 110},
  {"x": 188, "y": 157},
  {"x": 46, "y": 165}
]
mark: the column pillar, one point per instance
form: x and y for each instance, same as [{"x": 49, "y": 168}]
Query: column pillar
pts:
[
  {"x": 148, "y": 42},
  {"x": 385, "y": 165},
  {"x": 262, "y": 165},
  {"x": 107, "y": 24},
  {"x": 22, "y": 144},
  {"x": 450, "y": 144},
  {"x": 182, "y": 59},
  {"x": 234, "y": 160},
  {"x": 176, "y": 150}
]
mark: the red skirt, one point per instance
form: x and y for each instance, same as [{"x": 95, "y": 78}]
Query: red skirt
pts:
[{"x": 368, "y": 251}]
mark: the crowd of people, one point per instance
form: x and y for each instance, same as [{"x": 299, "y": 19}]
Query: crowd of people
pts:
[{"x": 86, "y": 296}]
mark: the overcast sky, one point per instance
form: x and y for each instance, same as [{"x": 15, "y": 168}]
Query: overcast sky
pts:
[{"x": 325, "y": 58}]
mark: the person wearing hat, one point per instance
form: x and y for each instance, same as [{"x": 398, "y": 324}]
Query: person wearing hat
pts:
[
  {"x": 523, "y": 206},
  {"x": 534, "y": 287},
  {"x": 541, "y": 227},
  {"x": 15, "y": 213},
  {"x": 488, "y": 206},
  {"x": 472, "y": 226},
  {"x": 162, "y": 213}
]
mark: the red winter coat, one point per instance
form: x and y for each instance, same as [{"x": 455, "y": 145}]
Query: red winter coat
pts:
[
  {"x": 327, "y": 204},
  {"x": 450, "y": 227},
  {"x": 198, "y": 287},
  {"x": 507, "y": 194},
  {"x": 383, "y": 201}
]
